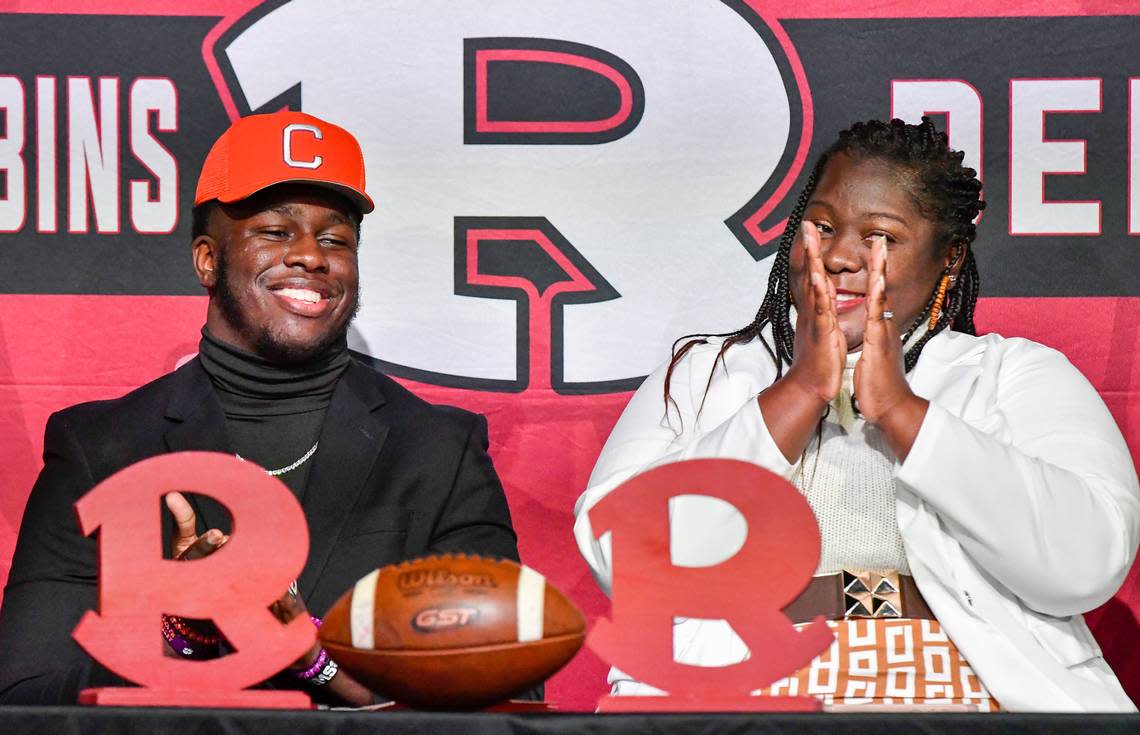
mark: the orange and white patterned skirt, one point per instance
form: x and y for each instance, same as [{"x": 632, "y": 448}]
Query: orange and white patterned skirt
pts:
[{"x": 888, "y": 662}]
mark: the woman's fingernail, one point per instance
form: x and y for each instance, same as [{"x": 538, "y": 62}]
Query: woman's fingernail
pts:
[{"x": 883, "y": 282}]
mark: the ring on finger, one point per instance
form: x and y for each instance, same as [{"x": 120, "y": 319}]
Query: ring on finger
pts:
[{"x": 888, "y": 314}]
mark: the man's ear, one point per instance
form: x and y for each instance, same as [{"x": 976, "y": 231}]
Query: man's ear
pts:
[{"x": 205, "y": 253}]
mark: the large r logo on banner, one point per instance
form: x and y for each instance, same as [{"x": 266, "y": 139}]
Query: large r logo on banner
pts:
[{"x": 656, "y": 138}]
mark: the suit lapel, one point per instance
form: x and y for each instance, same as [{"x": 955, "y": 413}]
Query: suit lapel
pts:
[
  {"x": 197, "y": 424},
  {"x": 351, "y": 438}
]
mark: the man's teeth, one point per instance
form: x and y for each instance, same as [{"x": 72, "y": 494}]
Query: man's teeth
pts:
[
  {"x": 848, "y": 296},
  {"x": 301, "y": 294}
]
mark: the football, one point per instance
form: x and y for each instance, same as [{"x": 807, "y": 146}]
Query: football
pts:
[{"x": 452, "y": 631}]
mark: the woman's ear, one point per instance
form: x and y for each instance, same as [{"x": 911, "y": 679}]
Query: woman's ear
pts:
[
  {"x": 955, "y": 257},
  {"x": 205, "y": 252}
]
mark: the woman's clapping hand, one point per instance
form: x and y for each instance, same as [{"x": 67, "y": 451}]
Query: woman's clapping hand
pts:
[
  {"x": 820, "y": 347},
  {"x": 882, "y": 393}
]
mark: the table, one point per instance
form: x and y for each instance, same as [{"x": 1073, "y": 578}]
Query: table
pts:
[{"x": 127, "y": 721}]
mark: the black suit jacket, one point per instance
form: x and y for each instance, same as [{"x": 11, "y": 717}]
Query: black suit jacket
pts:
[{"x": 394, "y": 477}]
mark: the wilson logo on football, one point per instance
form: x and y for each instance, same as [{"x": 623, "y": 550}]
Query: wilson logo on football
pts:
[
  {"x": 442, "y": 577},
  {"x": 443, "y": 618}
]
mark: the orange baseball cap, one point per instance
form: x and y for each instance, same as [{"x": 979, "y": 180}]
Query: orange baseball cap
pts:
[{"x": 259, "y": 151}]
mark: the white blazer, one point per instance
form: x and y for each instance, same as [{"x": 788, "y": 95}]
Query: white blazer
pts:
[{"x": 1018, "y": 504}]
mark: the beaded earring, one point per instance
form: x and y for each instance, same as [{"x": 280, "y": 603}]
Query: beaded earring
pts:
[{"x": 947, "y": 282}]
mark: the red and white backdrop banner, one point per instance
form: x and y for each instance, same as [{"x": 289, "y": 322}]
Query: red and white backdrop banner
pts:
[{"x": 563, "y": 189}]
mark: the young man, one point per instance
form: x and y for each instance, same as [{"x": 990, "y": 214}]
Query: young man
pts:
[{"x": 381, "y": 475}]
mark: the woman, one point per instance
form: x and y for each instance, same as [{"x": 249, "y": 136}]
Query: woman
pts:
[{"x": 983, "y": 476}]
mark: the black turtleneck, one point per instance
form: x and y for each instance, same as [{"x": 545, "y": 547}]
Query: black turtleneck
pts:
[{"x": 273, "y": 412}]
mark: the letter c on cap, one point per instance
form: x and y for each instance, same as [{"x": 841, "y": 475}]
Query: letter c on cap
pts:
[{"x": 287, "y": 145}]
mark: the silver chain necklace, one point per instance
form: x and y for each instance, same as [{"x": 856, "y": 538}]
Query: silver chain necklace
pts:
[{"x": 289, "y": 468}]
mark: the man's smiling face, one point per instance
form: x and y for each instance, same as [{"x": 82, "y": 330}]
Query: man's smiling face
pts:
[{"x": 281, "y": 268}]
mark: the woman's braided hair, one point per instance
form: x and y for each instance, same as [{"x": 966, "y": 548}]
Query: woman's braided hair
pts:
[{"x": 945, "y": 191}]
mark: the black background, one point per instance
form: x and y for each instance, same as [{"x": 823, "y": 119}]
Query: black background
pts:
[
  {"x": 128, "y": 48},
  {"x": 850, "y": 65}
]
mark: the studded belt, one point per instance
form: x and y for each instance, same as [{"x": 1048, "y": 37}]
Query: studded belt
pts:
[{"x": 856, "y": 594}]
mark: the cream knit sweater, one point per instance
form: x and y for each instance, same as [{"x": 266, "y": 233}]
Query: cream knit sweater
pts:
[{"x": 847, "y": 474}]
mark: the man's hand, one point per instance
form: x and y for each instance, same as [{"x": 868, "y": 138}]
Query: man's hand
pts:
[
  {"x": 187, "y": 544},
  {"x": 287, "y": 608}
]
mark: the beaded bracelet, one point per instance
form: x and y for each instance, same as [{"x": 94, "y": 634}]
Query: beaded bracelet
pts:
[
  {"x": 321, "y": 672},
  {"x": 188, "y": 632},
  {"x": 183, "y": 647},
  {"x": 315, "y": 667}
]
